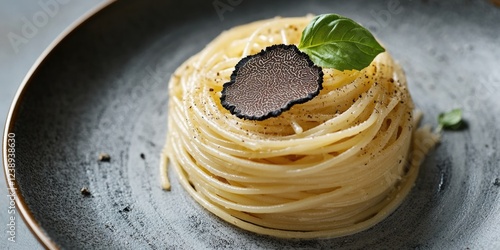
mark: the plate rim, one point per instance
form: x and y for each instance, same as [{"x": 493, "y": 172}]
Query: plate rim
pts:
[
  {"x": 26, "y": 214},
  {"x": 21, "y": 206}
]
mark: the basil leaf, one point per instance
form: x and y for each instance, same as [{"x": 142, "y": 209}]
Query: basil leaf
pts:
[
  {"x": 451, "y": 120},
  {"x": 334, "y": 41}
]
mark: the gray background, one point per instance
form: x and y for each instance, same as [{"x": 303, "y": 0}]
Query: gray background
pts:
[{"x": 15, "y": 61}]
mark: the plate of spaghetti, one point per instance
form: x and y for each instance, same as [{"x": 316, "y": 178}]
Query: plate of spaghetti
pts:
[{"x": 264, "y": 125}]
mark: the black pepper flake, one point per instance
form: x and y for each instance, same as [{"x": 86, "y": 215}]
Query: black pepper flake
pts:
[
  {"x": 497, "y": 182},
  {"x": 126, "y": 209},
  {"x": 270, "y": 82},
  {"x": 85, "y": 191},
  {"x": 104, "y": 157},
  {"x": 211, "y": 89},
  {"x": 143, "y": 156}
]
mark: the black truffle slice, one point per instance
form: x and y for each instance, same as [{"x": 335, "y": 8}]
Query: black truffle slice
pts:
[{"x": 270, "y": 82}]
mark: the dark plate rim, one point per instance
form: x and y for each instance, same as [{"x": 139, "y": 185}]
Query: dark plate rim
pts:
[
  {"x": 21, "y": 206},
  {"x": 26, "y": 214}
]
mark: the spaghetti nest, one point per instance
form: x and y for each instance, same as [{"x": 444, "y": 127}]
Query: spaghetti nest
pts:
[{"x": 332, "y": 166}]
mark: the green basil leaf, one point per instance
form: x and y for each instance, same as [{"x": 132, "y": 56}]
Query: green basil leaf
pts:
[
  {"x": 451, "y": 120},
  {"x": 334, "y": 41}
]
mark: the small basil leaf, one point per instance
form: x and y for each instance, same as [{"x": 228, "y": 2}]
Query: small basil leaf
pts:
[
  {"x": 451, "y": 120},
  {"x": 334, "y": 41}
]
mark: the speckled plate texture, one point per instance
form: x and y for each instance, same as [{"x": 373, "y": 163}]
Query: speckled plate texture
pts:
[{"x": 103, "y": 89}]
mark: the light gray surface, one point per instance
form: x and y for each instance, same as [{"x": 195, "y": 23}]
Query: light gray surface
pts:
[
  {"x": 15, "y": 61},
  {"x": 450, "y": 50}
]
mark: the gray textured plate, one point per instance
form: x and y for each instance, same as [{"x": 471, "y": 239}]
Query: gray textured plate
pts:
[{"x": 104, "y": 89}]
